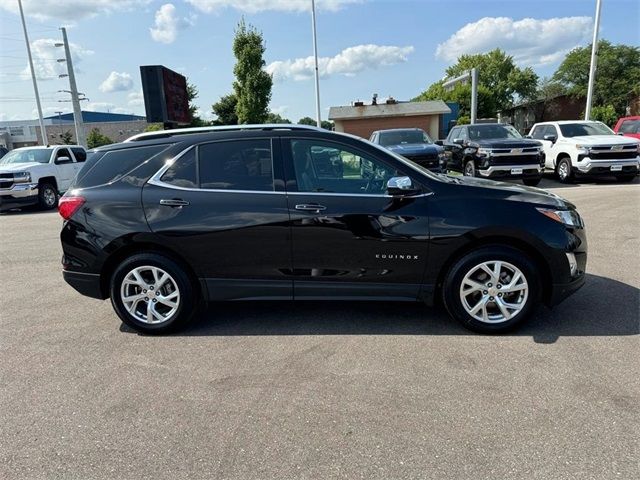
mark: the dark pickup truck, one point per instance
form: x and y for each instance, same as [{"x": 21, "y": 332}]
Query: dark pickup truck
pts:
[
  {"x": 412, "y": 143},
  {"x": 496, "y": 151}
]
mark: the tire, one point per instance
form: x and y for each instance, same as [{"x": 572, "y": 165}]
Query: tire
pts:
[
  {"x": 531, "y": 182},
  {"x": 47, "y": 196},
  {"x": 625, "y": 178},
  {"x": 469, "y": 169},
  {"x": 563, "y": 170},
  {"x": 522, "y": 300},
  {"x": 178, "y": 309}
]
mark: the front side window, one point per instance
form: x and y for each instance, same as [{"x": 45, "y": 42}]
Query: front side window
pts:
[
  {"x": 35, "y": 155},
  {"x": 324, "y": 167},
  {"x": 630, "y": 126},
  {"x": 584, "y": 129},
  {"x": 236, "y": 165},
  {"x": 489, "y": 132}
]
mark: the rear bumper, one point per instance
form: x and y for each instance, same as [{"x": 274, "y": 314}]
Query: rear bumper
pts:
[
  {"x": 87, "y": 284},
  {"x": 19, "y": 195},
  {"x": 502, "y": 171}
]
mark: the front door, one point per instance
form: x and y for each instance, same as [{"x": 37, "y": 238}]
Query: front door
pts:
[
  {"x": 217, "y": 206},
  {"x": 349, "y": 238},
  {"x": 65, "y": 168}
]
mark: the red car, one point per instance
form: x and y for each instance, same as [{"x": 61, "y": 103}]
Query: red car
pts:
[{"x": 628, "y": 126}]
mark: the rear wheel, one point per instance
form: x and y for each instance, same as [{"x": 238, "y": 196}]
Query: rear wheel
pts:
[
  {"x": 563, "y": 170},
  {"x": 47, "y": 196},
  {"x": 152, "y": 293},
  {"x": 531, "y": 182},
  {"x": 492, "y": 289}
]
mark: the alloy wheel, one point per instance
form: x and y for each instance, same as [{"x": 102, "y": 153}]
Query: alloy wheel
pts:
[
  {"x": 150, "y": 294},
  {"x": 563, "y": 170},
  {"x": 494, "y": 291},
  {"x": 49, "y": 197}
]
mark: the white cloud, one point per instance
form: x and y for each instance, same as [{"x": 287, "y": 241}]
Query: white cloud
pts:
[
  {"x": 255, "y": 6},
  {"x": 280, "y": 110},
  {"x": 168, "y": 23},
  {"x": 348, "y": 62},
  {"x": 99, "y": 107},
  {"x": 530, "y": 41},
  {"x": 69, "y": 10},
  {"x": 117, "y": 82},
  {"x": 45, "y": 55},
  {"x": 136, "y": 99}
]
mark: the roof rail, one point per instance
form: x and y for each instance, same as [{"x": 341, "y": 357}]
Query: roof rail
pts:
[{"x": 226, "y": 128}]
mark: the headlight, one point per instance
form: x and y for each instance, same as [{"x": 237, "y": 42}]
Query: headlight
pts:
[
  {"x": 567, "y": 217},
  {"x": 21, "y": 177},
  {"x": 484, "y": 152},
  {"x": 579, "y": 146}
]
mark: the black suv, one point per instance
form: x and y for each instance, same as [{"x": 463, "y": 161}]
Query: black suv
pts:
[
  {"x": 168, "y": 220},
  {"x": 496, "y": 151}
]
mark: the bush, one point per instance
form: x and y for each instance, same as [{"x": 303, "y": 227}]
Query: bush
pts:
[{"x": 605, "y": 114}]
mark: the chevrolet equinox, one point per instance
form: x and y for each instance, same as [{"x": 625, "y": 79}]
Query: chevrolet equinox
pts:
[{"x": 169, "y": 220}]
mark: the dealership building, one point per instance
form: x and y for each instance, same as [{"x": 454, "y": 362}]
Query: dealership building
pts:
[{"x": 26, "y": 133}]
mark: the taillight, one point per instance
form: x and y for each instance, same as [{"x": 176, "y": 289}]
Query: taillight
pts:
[{"x": 67, "y": 206}]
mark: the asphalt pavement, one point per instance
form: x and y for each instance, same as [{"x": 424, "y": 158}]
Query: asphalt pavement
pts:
[{"x": 319, "y": 390}]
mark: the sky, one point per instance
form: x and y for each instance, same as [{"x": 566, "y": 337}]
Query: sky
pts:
[{"x": 392, "y": 48}]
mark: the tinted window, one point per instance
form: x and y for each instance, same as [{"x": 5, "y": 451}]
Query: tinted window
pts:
[
  {"x": 63, "y": 152},
  {"x": 582, "y": 129},
  {"x": 114, "y": 164},
  {"x": 482, "y": 132},
  {"x": 400, "y": 137},
  {"x": 80, "y": 154},
  {"x": 327, "y": 167},
  {"x": 630, "y": 126},
  {"x": 236, "y": 165},
  {"x": 183, "y": 173}
]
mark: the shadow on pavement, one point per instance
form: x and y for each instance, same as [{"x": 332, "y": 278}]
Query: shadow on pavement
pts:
[{"x": 587, "y": 313}]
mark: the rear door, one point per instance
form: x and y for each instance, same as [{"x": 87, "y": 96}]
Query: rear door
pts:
[
  {"x": 222, "y": 206},
  {"x": 349, "y": 238}
]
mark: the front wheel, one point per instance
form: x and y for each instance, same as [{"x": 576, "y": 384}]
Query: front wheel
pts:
[
  {"x": 531, "y": 182},
  {"x": 152, "y": 293},
  {"x": 563, "y": 170},
  {"x": 492, "y": 289},
  {"x": 469, "y": 169},
  {"x": 47, "y": 196}
]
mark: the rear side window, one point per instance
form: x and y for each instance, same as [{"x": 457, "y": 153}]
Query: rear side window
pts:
[
  {"x": 80, "y": 154},
  {"x": 184, "y": 172},
  {"x": 236, "y": 165},
  {"x": 114, "y": 164}
]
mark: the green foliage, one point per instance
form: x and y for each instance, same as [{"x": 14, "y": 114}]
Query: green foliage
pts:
[
  {"x": 500, "y": 84},
  {"x": 66, "y": 138},
  {"x": 96, "y": 139},
  {"x": 192, "y": 94},
  {"x": 463, "y": 120},
  {"x": 617, "y": 75},
  {"x": 606, "y": 115},
  {"x": 276, "y": 118},
  {"x": 327, "y": 124},
  {"x": 154, "y": 127},
  {"x": 225, "y": 110},
  {"x": 307, "y": 121},
  {"x": 252, "y": 86}
]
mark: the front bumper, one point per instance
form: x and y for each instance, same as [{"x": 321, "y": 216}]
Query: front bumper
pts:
[
  {"x": 19, "y": 195},
  {"x": 502, "y": 171},
  {"x": 588, "y": 166}
]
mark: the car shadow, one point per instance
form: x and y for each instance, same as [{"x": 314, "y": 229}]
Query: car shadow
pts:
[
  {"x": 550, "y": 181},
  {"x": 26, "y": 211},
  {"x": 587, "y": 313}
]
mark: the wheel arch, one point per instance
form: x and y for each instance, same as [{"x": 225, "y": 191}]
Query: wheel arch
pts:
[
  {"x": 503, "y": 241},
  {"x": 50, "y": 179}
]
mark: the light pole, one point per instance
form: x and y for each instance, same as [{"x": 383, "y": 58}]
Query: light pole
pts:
[
  {"x": 473, "y": 75},
  {"x": 594, "y": 61},
  {"x": 315, "y": 58}
]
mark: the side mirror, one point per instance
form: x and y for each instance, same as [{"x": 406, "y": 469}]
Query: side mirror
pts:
[
  {"x": 400, "y": 186},
  {"x": 528, "y": 136},
  {"x": 439, "y": 142},
  {"x": 550, "y": 138},
  {"x": 620, "y": 133},
  {"x": 62, "y": 160},
  {"x": 458, "y": 141}
]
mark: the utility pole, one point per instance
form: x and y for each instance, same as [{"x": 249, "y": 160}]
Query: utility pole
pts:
[
  {"x": 465, "y": 77},
  {"x": 594, "y": 61},
  {"x": 77, "y": 112},
  {"x": 315, "y": 57},
  {"x": 43, "y": 130}
]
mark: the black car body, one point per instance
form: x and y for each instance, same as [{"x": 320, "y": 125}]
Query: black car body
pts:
[
  {"x": 244, "y": 214},
  {"x": 413, "y": 144},
  {"x": 496, "y": 151}
]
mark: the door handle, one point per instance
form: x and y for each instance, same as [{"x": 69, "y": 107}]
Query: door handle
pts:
[
  {"x": 174, "y": 202},
  {"x": 310, "y": 207}
]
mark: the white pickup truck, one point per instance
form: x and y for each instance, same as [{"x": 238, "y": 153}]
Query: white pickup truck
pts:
[
  {"x": 586, "y": 148},
  {"x": 38, "y": 175}
]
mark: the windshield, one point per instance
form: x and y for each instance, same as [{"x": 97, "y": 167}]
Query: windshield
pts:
[
  {"x": 630, "y": 126},
  {"x": 400, "y": 137},
  {"x": 485, "y": 132},
  {"x": 582, "y": 129},
  {"x": 38, "y": 155}
]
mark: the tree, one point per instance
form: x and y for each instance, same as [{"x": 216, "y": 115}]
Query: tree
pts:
[
  {"x": 327, "y": 124},
  {"x": 307, "y": 121},
  {"x": 192, "y": 94},
  {"x": 154, "y": 127},
  {"x": 252, "y": 86},
  {"x": 225, "y": 110},
  {"x": 500, "y": 83},
  {"x": 276, "y": 118},
  {"x": 617, "y": 76},
  {"x": 606, "y": 115},
  {"x": 66, "y": 138},
  {"x": 97, "y": 139}
]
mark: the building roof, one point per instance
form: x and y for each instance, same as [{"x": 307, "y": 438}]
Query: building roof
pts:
[
  {"x": 400, "y": 109},
  {"x": 94, "y": 117}
]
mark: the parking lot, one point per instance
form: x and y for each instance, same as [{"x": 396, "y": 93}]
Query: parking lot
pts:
[{"x": 322, "y": 390}]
